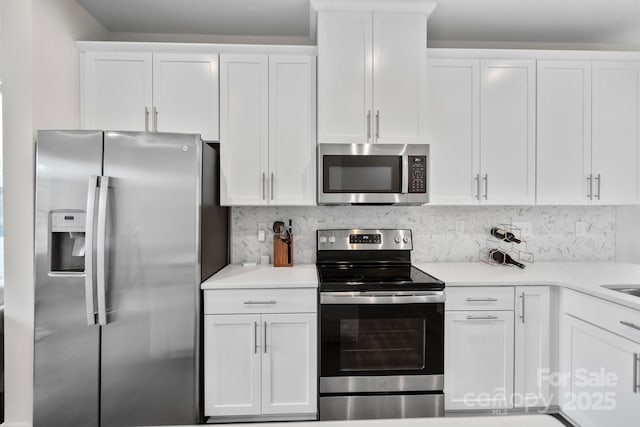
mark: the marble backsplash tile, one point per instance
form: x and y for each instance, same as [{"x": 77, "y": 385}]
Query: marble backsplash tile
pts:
[{"x": 433, "y": 229}]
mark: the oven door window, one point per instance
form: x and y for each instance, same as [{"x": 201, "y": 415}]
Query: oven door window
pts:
[
  {"x": 362, "y": 174},
  {"x": 382, "y": 339}
]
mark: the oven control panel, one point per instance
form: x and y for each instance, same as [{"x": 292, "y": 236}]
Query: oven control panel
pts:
[{"x": 361, "y": 239}]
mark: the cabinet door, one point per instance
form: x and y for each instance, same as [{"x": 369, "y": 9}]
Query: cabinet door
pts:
[
  {"x": 399, "y": 78},
  {"x": 616, "y": 132},
  {"x": 289, "y": 368},
  {"x": 532, "y": 349},
  {"x": 232, "y": 364},
  {"x": 292, "y": 130},
  {"x": 345, "y": 77},
  {"x": 603, "y": 387},
  {"x": 507, "y": 131},
  {"x": 185, "y": 94},
  {"x": 478, "y": 368},
  {"x": 453, "y": 115},
  {"x": 244, "y": 127},
  {"x": 117, "y": 91},
  {"x": 564, "y": 133}
]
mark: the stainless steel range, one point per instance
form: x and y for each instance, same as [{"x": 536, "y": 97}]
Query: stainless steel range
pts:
[{"x": 381, "y": 328}]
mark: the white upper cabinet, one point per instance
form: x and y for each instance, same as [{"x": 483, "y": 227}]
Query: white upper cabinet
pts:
[
  {"x": 564, "y": 132},
  {"x": 185, "y": 94},
  {"x": 615, "y": 132},
  {"x": 117, "y": 91},
  {"x": 267, "y": 130},
  {"x": 371, "y": 77},
  {"x": 151, "y": 92},
  {"x": 454, "y": 130},
  {"x": 507, "y": 131}
]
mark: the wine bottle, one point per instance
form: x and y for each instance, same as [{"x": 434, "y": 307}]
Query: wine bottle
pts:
[
  {"x": 502, "y": 234},
  {"x": 504, "y": 258}
]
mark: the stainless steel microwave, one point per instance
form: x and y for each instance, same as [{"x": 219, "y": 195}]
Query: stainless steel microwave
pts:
[{"x": 375, "y": 174}]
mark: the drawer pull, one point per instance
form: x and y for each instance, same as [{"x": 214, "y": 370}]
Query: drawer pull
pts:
[
  {"x": 260, "y": 302},
  {"x": 631, "y": 325},
  {"x": 482, "y": 317},
  {"x": 482, "y": 299}
]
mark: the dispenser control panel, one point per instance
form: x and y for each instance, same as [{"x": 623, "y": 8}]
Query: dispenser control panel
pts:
[{"x": 72, "y": 222}]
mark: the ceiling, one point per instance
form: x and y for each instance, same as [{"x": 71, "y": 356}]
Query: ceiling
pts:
[{"x": 529, "y": 21}]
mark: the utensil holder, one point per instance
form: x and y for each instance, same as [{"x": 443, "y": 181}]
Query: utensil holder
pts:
[{"x": 282, "y": 252}]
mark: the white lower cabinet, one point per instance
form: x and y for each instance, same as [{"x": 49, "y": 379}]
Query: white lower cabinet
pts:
[{"x": 260, "y": 362}]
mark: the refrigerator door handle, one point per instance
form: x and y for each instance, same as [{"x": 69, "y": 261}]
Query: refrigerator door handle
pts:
[
  {"x": 101, "y": 250},
  {"x": 89, "y": 285}
]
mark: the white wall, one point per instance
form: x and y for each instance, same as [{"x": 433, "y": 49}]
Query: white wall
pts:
[
  {"x": 41, "y": 90},
  {"x": 628, "y": 234}
]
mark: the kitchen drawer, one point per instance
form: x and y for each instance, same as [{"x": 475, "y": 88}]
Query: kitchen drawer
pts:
[
  {"x": 241, "y": 301},
  {"x": 479, "y": 298},
  {"x": 604, "y": 314}
]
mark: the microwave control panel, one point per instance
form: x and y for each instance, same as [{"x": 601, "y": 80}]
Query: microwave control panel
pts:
[{"x": 417, "y": 174}]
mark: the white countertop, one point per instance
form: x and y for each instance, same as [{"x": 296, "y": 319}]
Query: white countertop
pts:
[
  {"x": 236, "y": 276},
  {"x": 581, "y": 276}
]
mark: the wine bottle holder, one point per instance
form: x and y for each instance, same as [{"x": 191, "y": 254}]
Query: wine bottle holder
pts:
[{"x": 518, "y": 251}]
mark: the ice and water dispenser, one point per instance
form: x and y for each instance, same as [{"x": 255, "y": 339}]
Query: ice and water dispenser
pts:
[{"x": 67, "y": 234}]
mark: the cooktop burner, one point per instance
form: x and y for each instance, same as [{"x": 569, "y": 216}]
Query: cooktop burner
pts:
[{"x": 349, "y": 277}]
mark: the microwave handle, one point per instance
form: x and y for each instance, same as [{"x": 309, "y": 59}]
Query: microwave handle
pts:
[{"x": 405, "y": 174}]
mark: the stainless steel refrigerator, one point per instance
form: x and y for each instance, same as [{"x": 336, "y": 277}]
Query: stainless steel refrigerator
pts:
[{"x": 127, "y": 226}]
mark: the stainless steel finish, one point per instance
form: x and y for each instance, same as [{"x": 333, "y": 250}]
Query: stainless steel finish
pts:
[
  {"x": 482, "y": 299},
  {"x": 590, "y": 179},
  {"x": 405, "y": 174},
  {"x": 271, "y": 193},
  {"x": 150, "y": 372},
  {"x": 264, "y": 180},
  {"x": 265, "y": 337},
  {"x": 631, "y": 325},
  {"x": 382, "y": 297},
  {"x": 523, "y": 303},
  {"x": 372, "y": 198},
  {"x": 66, "y": 350},
  {"x": 381, "y": 406},
  {"x": 381, "y": 383},
  {"x": 101, "y": 253},
  {"x": 340, "y": 239},
  {"x": 482, "y": 317},
  {"x": 260, "y": 302},
  {"x": 155, "y": 119},
  {"x": 377, "y": 124},
  {"x": 368, "y": 125},
  {"x": 486, "y": 185},
  {"x": 633, "y": 290},
  {"x": 477, "y": 179},
  {"x": 599, "y": 181},
  {"x": 146, "y": 119},
  {"x": 636, "y": 372},
  {"x": 89, "y": 283},
  {"x": 255, "y": 337}
]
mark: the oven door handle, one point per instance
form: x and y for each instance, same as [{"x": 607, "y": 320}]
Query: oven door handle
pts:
[{"x": 381, "y": 297}]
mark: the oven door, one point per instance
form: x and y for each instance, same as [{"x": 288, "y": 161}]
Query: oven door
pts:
[{"x": 381, "y": 344}]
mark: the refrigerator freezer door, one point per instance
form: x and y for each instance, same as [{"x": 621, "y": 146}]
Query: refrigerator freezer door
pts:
[
  {"x": 66, "y": 365},
  {"x": 149, "y": 342}
]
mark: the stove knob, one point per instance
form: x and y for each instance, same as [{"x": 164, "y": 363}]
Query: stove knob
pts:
[
  {"x": 405, "y": 239},
  {"x": 332, "y": 239},
  {"x": 397, "y": 239},
  {"x": 323, "y": 239}
]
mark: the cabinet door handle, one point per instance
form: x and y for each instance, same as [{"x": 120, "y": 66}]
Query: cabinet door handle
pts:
[
  {"x": 272, "y": 179},
  {"x": 636, "y": 372},
  {"x": 368, "y": 125},
  {"x": 522, "y": 313},
  {"x": 146, "y": 119},
  {"x": 590, "y": 179},
  {"x": 477, "y": 180},
  {"x": 255, "y": 337},
  {"x": 482, "y": 299},
  {"x": 155, "y": 119},
  {"x": 598, "y": 181},
  {"x": 377, "y": 125},
  {"x": 631, "y": 325},
  {"x": 265, "y": 337},
  {"x": 264, "y": 180},
  {"x": 259, "y": 302},
  {"x": 482, "y": 317},
  {"x": 486, "y": 185}
]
